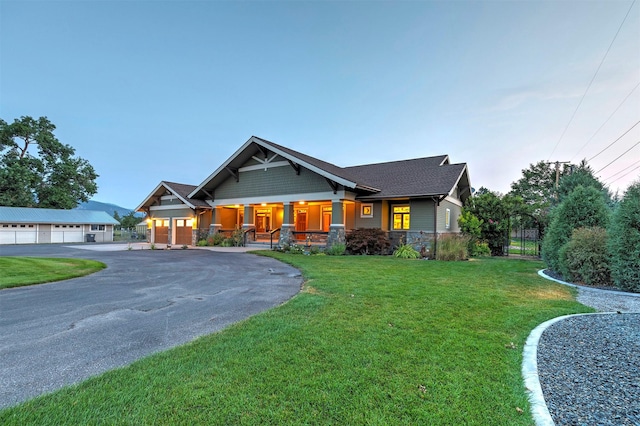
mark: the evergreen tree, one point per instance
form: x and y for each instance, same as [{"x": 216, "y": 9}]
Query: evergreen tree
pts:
[{"x": 624, "y": 241}]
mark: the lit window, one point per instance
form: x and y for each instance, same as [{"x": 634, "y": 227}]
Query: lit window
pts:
[
  {"x": 447, "y": 218},
  {"x": 401, "y": 217},
  {"x": 189, "y": 223},
  {"x": 180, "y": 223}
]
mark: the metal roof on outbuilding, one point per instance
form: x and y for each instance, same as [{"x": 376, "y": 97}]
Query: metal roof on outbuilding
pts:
[{"x": 33, "y": 215}]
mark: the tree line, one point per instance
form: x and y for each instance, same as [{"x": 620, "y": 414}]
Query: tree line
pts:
[{"x": 588, "y": 235}]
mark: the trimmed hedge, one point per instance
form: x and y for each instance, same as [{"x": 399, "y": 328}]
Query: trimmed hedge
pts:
[
  {"x": 584, "y": 259},
  {"x": 624, "y": 241},
  {"x": 584, "y": 207}
]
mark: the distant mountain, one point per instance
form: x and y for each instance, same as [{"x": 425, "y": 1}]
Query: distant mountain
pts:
[{"x": 105, "y": 207}]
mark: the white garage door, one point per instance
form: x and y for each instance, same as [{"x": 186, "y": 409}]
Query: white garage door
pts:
[
  {"x": 67, "y": 234},
  {"x": 17, "y": 234}
]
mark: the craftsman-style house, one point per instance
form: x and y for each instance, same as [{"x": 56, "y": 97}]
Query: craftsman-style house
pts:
[{"x": 268, "y": 191}]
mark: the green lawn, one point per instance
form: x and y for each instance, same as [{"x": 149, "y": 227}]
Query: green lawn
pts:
[
  {"x": 21, "y": 271},
  {"x": 370, "y": 340}
]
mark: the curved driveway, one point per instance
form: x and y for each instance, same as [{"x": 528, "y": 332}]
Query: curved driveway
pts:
[{"x": 145, "y": 301}]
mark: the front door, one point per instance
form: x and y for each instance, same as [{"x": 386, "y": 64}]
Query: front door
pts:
[
  {"x": 301, "y": 223},
  {"x": 263, "y": 220},
  {"x": 326, "y": 221}
]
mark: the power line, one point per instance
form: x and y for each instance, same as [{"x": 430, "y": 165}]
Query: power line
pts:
[
  {"x": 618, "y": 157},
  {"x": 611, "y": 144},
  {"x": 607, "y": 120},
  {"x": 625, "y": 174},
  {"x": 591, "y": 82},
  {"x": 621, "y": 171}
]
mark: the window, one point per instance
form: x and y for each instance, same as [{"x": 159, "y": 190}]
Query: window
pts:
[
  {"x": 447, "y": 218},
  {"x": 189, "y": 223},
  {"x": 180, "y": 223},
  {"x": 366, "y": 210},
  {"x": 401, "y": 217},
  {"x": 97, "y": 227}
]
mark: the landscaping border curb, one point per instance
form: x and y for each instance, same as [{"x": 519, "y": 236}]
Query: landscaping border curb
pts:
[
  {"x": 614, "y": 292},
  {"x": 539, "y": 409}
]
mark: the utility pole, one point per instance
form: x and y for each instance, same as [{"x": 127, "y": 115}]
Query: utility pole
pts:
[{"x": 558, "y": 174}]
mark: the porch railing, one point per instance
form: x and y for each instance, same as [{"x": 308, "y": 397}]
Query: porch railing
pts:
[
  {"x": 310, "y": 237},
  {"x": 271, "y": 236}
]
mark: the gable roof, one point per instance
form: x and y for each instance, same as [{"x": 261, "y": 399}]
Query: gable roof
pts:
[
  {"x": 256, "y": 145},
  {"x": 180, "y": 190},
  {"x": 420, "y": 177},
  {"x": 35, "y": 215}
]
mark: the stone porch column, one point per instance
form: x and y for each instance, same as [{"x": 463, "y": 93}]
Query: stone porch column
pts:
[
  {"x": 336, "y": 229},
  {"x": 216, "y": 220},
  {"x": 286, "y": 237},
  {"x": 248, "y": 221}
]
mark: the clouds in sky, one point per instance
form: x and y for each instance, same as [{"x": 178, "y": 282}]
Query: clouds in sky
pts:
[{"x": 153, "y": 90}]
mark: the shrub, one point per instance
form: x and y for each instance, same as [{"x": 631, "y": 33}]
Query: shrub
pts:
[
  {"x": 367, "y": 241},
  {"x": 201, "y": 243},
  {"x": 215, "y": 239},
  {"x": 478, "y": 249},
  {"x": 584, "y": 258},
  {"x": 406, "y": 252},
  {"x": 584, "y": 207},
  {"x": 336, "y": 249},
  {"x": 624, "y": 241},
  {"x": 452, "y": 247},
  {"x": 313, "y": 250},
  {"x": 237, "y": 238}
]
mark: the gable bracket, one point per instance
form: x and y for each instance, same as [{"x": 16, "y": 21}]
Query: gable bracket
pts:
[
  {"x": 264, "y": 151},
  {"x": 333, "y": 185},
  {"x": 295, "y": 166},
  {"x": 234, "y": 173},
  {"x": 207, "y": 193}
]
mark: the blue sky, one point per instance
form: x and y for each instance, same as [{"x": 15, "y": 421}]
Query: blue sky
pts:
[{"x": 167, "y": 90}]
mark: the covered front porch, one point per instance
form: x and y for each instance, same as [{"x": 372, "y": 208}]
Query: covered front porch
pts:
[{"x": 317, "y": 222}]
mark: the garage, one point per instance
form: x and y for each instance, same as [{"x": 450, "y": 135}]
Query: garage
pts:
[
  {"x": 24, "y": 225},
  {"x": 161, "y": 232},
  {"x": 67, "y": 234},
  {"x": 18, "y": 233},
  {"x": 183, "y": 231}
]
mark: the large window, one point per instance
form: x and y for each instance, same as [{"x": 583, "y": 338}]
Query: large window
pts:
[{"x": 401, "y": 217}]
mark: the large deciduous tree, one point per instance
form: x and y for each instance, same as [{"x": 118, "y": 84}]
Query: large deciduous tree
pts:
[
  {"x": 37, "y": 170},
  {"x": 492, "y": 212}
]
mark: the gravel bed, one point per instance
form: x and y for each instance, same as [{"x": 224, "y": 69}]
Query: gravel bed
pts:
[{"x": 589, "y": 368}]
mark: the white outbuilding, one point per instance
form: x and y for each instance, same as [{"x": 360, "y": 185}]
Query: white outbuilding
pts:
[{"x": 23, "y": 225}]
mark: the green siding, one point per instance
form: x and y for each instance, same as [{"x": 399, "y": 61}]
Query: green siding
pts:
[
  {"x": 455, "y": 214},
  {"x": 165, "y": 214},
  {"x": 421, "y": 215},
  {"x": 273, "y": 181},
  {"x": 366, "y": 222},
  {"x": 174, "y": 202}
]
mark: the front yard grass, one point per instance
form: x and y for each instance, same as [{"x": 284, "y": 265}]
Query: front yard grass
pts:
[
  {"x": 369, "y": 340},
  {"x": 21, "y": 271}
]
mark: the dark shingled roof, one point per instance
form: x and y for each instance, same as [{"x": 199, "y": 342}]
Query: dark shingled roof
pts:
[
  {"x": 429, "y": 176},
  {"x": 322, "y": 165},
  {"x": 417, "y": 177},
  {"x": 183, "y": 190}
]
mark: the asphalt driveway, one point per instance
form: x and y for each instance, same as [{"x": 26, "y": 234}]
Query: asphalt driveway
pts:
[{"x": 145, "y": 301}]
